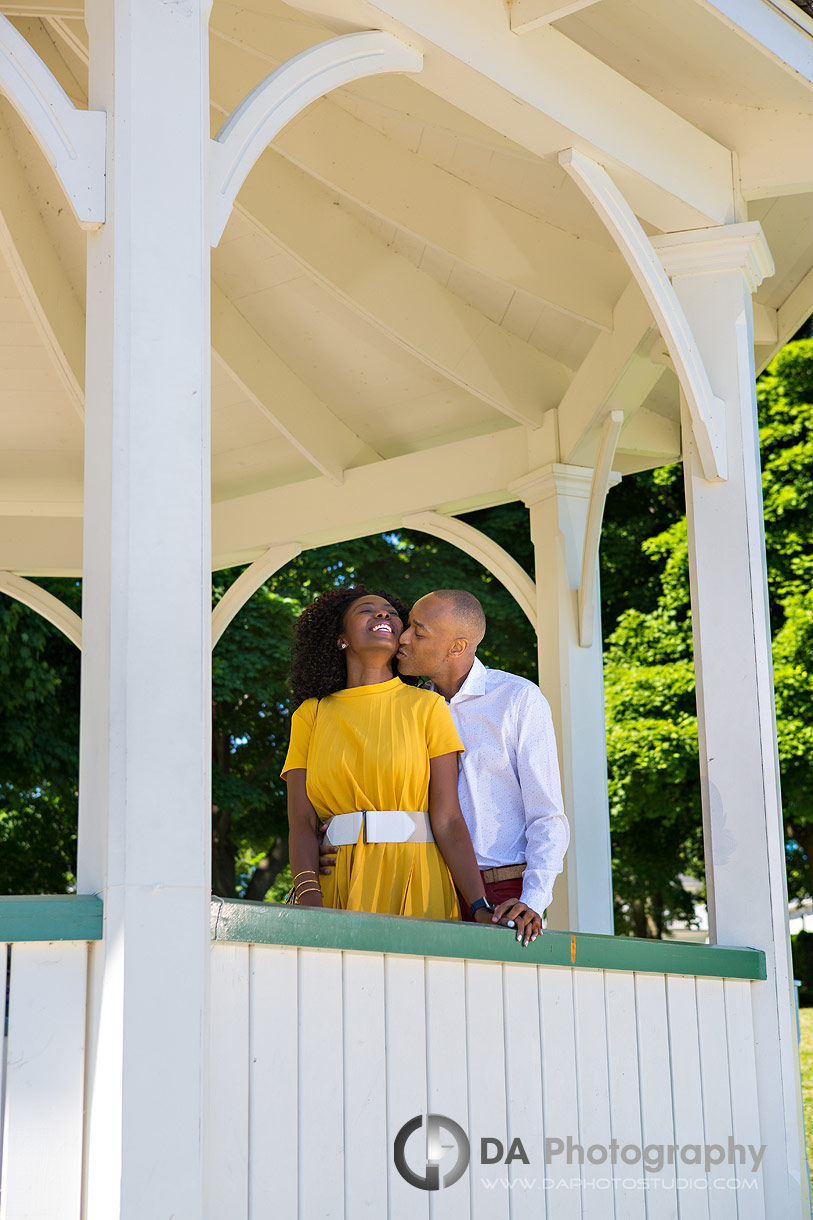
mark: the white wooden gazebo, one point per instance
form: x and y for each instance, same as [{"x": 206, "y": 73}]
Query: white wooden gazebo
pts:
[{"x": 463, "y": 252}]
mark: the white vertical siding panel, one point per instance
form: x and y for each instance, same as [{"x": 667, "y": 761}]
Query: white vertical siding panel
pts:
[
  {"x": 321, "y": 1086},
  {"x": 405, "y": 1000},
  {"x": 625, "y": 1096},
  {"x": 365, "y": 1108},
  {"x": 657, "y": 1122},
  {"x": 42, "y": 1153},
  {"x": 273, "y": 1073},
  {"x": 714, "y": 1077},
  {"x": 446, "y": 1069},
  {"x": 226, "y": 1160},
  {"x": 593, "y": 1092},
  {"x": 523, "y": 1065},
  {"x": 3, "y": 1048},
  {"x": 487, "y": 1084},
  {"x": 560, "y": 1113},
  {"x": 744, "y": 1099},
  {"x": 687, "y": 1092}
]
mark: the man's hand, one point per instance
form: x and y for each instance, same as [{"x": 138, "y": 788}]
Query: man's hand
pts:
[
  {"x": 327, "y": 852},
  {"x": 514, "y": 913}
]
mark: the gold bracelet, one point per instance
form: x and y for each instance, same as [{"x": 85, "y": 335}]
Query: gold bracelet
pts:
[
  {"x": 308, "y": 889},
  {"x": 304, "y": 871}
]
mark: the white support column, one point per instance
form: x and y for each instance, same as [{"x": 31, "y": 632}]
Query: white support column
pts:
[
  {"x": 571, "y": 678},
  {"x": 145, "y": 809},
  {"x": 714, "y": 273}
]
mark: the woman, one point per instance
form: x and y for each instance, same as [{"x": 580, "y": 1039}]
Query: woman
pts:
[{"x": 363, "y": 740}]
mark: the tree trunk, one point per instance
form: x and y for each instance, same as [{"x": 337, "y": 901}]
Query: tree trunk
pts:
[
  {"x": 223, "y": 871},
  {"x": 266, "y": 872},
  {"x": 804, "y": 837}
]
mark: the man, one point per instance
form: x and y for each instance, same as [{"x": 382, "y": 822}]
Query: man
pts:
[{"x": 509, "y": 786}]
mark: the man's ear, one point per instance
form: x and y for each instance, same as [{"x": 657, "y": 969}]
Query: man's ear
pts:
[{"x": 458, "y": 648}]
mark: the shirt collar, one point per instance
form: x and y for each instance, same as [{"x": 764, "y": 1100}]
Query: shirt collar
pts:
[{"x": 475, "y": 683}]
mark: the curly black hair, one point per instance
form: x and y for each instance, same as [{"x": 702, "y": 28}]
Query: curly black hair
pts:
[{"x": 318, "y": 667}]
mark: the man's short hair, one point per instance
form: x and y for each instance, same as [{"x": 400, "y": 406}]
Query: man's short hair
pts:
[{"x": 467, "y": 611}]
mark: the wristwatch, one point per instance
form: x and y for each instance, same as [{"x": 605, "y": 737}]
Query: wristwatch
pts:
[{"x": 479, "y": 904}]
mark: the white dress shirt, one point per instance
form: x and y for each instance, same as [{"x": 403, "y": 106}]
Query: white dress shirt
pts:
[{"x": 509, "y": 786}]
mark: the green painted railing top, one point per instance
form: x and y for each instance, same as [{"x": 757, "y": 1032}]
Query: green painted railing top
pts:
[
  {"x": 270, "y": 924},
  {"x": 50, "y": 917}
]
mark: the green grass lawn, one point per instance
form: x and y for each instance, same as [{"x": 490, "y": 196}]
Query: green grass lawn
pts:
[{"x": 806, "y": 1054}]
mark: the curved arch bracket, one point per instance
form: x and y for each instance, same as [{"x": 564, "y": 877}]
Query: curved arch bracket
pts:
[
  {"x": 282, "y": 95},
  {"x": 706, "y": 410},
  {"x": 72, "y": 140},
  {"x": 601, "y": 482},
  {"x": 248, "y": 582},
  {"x": 45, "y": 604},
  {"x": 482, "y": 548}
]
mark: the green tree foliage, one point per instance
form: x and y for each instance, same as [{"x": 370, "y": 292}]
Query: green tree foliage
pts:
[
  {"x": 652, "y": 727},
  {"x": 39, "y": 741}
]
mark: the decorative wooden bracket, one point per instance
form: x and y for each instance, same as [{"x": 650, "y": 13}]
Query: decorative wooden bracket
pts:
[
  {"x": 482, "y": 548},
  {"x": 45, "y": 604},
  {"x": 248, "y": 582},
  {"x": 72, "y": 140},
  {"x": 599, "y": 486},
  {"x": 706, "y": 410},
  {"x": 282, "y": 95}
]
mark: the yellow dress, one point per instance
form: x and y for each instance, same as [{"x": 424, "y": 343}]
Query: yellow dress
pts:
[{"x": 369, "y": 747}]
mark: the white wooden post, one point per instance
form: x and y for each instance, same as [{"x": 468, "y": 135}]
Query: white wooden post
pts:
[
  {"x": 571, "y": 678},
  {"x": 144, "y": 769},
  {"x": 714, "y": 273}
]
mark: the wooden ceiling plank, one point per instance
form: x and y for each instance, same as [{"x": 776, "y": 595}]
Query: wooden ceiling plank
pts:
[
  {"x": 441, "y": 209},
  {"x": 39, "y": 275},
  {"x": 276, "y": 390},
  {"x": 395, "y": 298}
]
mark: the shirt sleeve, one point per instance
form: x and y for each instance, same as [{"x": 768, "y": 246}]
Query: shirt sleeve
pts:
[
  {"x": 546, "y": 827},
  {"x": 441, "y": 735},
  {"x": 302, "y": 723}
]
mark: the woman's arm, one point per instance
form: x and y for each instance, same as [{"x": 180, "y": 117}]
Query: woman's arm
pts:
[
  {"x": 303, "y": 847},
  {"x": 451, "y": 832}
]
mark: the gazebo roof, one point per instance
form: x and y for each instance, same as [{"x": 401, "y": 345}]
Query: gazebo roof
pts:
[{"x": 410, "y": 281}]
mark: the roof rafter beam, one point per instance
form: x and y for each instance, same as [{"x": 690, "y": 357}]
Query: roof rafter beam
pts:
[
  {"x": 39, "y": 275},
  {"x": 604, "y": 366},
  {"x": 553, "y": 94},
  {"x": 453, "y": 478},
  {"x": 281, "y": 395},
  {"x": 395, "y": 298},
  {"x": 530, "y": 14}
]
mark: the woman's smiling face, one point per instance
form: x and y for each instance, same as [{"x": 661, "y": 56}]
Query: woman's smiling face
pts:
[{"x": 371, "y": 624}]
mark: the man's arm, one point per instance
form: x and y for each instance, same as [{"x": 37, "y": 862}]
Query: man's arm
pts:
[{"x": 546, "y": 828}]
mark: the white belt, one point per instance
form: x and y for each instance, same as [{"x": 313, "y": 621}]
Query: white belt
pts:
[{"x": 380, "y": 826}]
